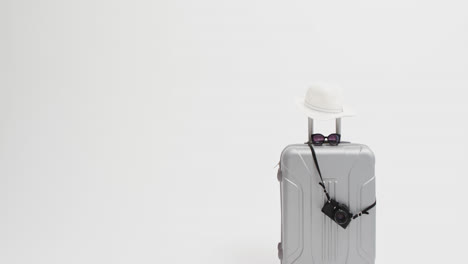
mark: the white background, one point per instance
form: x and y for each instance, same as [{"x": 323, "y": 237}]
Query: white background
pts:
[{"x": 147, "y": 131}]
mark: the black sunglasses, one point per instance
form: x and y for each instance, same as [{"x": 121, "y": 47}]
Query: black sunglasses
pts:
[{"x": 332, "y": 139}]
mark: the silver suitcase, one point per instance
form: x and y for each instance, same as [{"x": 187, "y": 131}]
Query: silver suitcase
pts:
[{"x": 308, "y": 236}]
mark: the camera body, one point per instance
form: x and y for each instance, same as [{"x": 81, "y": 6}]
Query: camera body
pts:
[{"x": 338, "y": 213}]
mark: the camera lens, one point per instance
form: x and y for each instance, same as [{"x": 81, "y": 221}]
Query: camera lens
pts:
[{"x": 341, "y": 216}]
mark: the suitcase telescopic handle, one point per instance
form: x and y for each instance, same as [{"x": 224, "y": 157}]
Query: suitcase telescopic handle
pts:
[{"x": 311, "y": 127}]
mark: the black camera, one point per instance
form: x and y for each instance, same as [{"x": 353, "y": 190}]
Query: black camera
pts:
[{"x": 338, "y": 213}]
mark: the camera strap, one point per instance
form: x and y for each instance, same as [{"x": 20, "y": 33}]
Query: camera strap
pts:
[
  {"x": 365, "y": 211},
  {"x": 322, "y": 183}
]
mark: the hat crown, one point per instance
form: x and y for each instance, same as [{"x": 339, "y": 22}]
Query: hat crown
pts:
[{"x": 324, "y": 97}]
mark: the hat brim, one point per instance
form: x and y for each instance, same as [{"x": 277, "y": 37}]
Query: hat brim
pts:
[{"x": 319, "y": 115}]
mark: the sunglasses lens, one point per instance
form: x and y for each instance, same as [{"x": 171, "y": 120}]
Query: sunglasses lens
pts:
[
  {"x": 318, "y": 138},
  {"x": 334, "y": 139}
]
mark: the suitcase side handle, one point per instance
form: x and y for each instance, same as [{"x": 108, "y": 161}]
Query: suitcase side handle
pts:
[{"x": 311, "y": 127}]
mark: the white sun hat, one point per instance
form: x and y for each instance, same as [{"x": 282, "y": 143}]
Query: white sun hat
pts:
[{"x": 324, "y": 101}]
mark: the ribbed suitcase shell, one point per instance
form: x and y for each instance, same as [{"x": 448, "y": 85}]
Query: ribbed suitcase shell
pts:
[{"x": 307, "y": 235}]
